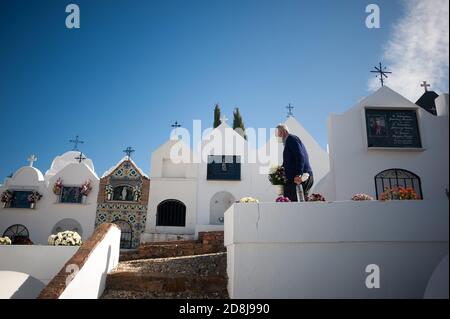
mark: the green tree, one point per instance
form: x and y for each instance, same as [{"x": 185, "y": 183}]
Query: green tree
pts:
[
  {"x": 216, "y": 115},
  {"x": 238, "y": 123}
]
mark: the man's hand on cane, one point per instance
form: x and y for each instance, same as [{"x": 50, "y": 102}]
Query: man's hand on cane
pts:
[{"x": 300, "y": 179}]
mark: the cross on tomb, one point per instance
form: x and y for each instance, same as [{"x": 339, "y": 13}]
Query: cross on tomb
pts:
[
  {"x": 223, "y": 119},
  {"x": 176, "y": 125},
  {"x": 290, "y": 107},
  {"x": 80, "y": 157},
  {"x": 425, "y": 85},
  {"x": 129, "y": 150},
  {"x": 381, "y": 73},
  {"x": 31, "y": 160},
  {"x": 76, "y": 141}
]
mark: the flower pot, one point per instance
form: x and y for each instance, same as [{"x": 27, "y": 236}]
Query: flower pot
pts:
[
  {"x": 83, "y": 199},
  {"x": 279, "y": 189},
  {"x": 4, "y": 204},
  {"x": 32, "y": 205},
  {"x": 108, "y": 196}
]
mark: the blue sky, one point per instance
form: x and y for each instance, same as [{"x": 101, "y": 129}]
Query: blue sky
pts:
[{"x": 134, "y": 67}]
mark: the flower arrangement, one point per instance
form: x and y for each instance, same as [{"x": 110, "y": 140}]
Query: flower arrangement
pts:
[
  {"x": 248, "y": 200},
  {"x": 57, "y": 187},
  {"x": 22, "y": 241},
  {"x": 86, "y": 188},
  {"x": 316, "y": 198},
  {"x": 65, "y": 238},
  {"x": 5, "y": 241},
  {"x": 277, "y": 176},
  {"x": 6, "y": 197},
  {"x": 362, "y": 196},
  {"x": 399, "y": 193},
  {"x": 34, "y": 197},
  {"x": 282, "y": 199}
]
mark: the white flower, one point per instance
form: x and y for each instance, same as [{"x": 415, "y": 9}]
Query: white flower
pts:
[
  {"x": 65, "y": 238},
  {"x": 248, "y": 200},
  {"x": 5, "y": 241}
]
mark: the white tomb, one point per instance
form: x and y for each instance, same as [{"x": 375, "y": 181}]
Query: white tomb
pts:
[{"x": 53, "y": 212}]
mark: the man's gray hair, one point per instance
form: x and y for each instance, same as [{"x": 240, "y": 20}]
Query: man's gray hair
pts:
[{"x": 283, "y": 127}]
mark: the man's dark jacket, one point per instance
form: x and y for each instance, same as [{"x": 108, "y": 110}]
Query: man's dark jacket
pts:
[{"x": 295, "y": 158}]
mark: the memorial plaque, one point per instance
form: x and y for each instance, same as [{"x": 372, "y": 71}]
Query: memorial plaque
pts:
[
  {"x": 392, "y": 128},
  {"x": 224, "y": 167}
]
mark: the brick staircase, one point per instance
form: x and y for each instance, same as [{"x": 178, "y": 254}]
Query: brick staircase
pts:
[{"x": 183, "y": 269}]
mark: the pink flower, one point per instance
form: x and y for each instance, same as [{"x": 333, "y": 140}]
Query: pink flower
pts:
[{"x": 282, "y": 199}]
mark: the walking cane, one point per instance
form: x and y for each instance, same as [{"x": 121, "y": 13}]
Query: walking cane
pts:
[{"x": 300, "y": 193}]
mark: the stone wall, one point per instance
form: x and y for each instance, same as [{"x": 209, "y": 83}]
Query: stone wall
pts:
[{"x": 208, "y": 242}]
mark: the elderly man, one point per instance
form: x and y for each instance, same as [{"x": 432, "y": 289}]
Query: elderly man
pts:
[{"x": 295, "y": 163}]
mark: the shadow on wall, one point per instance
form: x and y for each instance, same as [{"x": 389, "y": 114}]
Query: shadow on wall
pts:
[{"x": 18, "y": 285}]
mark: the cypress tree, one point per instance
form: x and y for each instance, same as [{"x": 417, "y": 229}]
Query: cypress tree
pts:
[
  {"x": 216, "y": 115},
  {"x": 238, "y": 123}
]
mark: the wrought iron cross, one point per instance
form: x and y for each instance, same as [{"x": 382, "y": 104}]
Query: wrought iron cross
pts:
[
  {"x": 176, "y": 125},
  {"x": 425, "y": 85},
  {"x": 129, "y": 150},
  {"x": 290, "y": 107},
  {"x": 76, "y": 141},
  {"x": 381, "y": 73},
  {"x": 32, "y": 159},
  {"x": 80, "y": 158}
]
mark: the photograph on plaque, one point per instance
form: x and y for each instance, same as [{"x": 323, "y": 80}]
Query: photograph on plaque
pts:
[
  {"x": 392, "y": 128},
  {"x": 377, "y": 126}
]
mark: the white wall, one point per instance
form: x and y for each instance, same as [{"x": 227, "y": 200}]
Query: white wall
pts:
[
  {"x": 221, "y": 141},
  {"x": 321, "y": 250},
  {"x": 41, "y": 220},
  {"x": 180, "y": 184},
  {"x": 183, "y": 190},
  {"x": 254, "y": 181},
  {"x": 188, "y": 182},
  {"x": 354, "y": 166},
  {"x": 41, "y": 262},
  {"x": 89, "y": 281},
  {"x": 17, "y": 285}
]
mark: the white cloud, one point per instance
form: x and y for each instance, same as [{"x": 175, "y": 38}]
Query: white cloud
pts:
[{"x": 418, "y": 49}]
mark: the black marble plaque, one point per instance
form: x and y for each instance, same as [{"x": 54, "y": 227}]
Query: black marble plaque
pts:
[
  {"x": 392, "y": 128},
  {"x": 224, "y": 167}
]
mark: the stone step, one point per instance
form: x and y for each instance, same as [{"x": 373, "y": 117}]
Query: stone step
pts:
[
  {"x": 174, "y": 242},
  {"x": 158, "y": 283},
  {"x": 194, "y": 264},
  {"x": 208, "y": 242},
  {"x": 125, "y": 294},
  {"x": 199, "y": 275}
]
